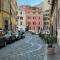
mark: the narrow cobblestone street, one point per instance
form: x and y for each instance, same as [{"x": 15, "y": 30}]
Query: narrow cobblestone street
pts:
[{"x": 29, "y": 48}]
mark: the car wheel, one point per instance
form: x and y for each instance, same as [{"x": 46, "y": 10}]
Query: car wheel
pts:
[
  {"x": 10, "y": 40},
  {"x": 18, "y": 38},
  {"x": 13, "y": 38},
  {"x": 4, "y": 44}
]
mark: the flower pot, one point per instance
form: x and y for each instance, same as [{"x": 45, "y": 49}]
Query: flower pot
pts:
[{"x": 51, "y": 50}]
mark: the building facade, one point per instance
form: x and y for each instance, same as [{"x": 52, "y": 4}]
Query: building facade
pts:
[
  {"x": 7, "y": 20},
  {"x": 4, "y": 14},
  {"x": 58, "y": 22},
  {"x": 46, "y": 17},
  {"x": 30, "y": 18},
  {"x": 34, "y": 19},
  {"x": 46, "y": 22},
  {"x": 55, "y": 18},
  {"x": 21, "y": 19}
]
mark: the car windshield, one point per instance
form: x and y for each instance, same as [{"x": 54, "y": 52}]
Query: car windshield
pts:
[
  {"x": 16, "y": 33},
  {"x": 9, "y": 33}
]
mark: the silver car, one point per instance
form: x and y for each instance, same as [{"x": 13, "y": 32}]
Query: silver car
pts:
[{"x": 18, "y": 35}]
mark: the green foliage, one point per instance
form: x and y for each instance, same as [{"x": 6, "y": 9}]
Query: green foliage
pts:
[
  {"x": 41, "y": 35},
  {"x": 50, "y": 39},
  {"x": 5, "y": 30}
]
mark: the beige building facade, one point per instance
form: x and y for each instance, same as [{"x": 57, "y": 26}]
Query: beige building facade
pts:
[
  {"x": 46, "y": 18},
  {"x": 55, "y": 18}
]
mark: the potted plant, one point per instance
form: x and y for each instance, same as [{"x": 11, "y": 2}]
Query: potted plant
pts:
[
  {"x": 41, "y": 35},
  {"x": 50, "y": 40}
]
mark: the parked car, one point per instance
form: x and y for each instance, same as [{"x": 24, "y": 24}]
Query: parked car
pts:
[
  {"x": 2, "y": 41},
  {"x": 10, "y": 37},
  {"x": 22, "y": 31},
  {"x": 22, "y": 34},
  {"x": 18, "y": 35},
  {"x": 33, "y": 33}
]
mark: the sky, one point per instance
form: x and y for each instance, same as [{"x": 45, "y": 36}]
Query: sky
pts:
[{"x": 28, "y": 2}]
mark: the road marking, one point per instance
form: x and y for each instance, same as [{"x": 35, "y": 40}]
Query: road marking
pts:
[
  {"x": 28, "y": 40},
  {"x": 32, "y": 50},
  {"x": 23, "y": 53}
]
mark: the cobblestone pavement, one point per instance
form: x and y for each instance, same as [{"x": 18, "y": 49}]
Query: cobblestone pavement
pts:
[
  {"x": 56, "y": 56},
  {"x": 29, "y": 48}
]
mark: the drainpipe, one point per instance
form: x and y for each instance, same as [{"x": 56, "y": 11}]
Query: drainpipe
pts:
[
  {"x": 2, "y": 14},
  {"x": 10, "y": 17},
  {"x": 56, "y": 17}
]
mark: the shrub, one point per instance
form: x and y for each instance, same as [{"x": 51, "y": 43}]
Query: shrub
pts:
[
  {"x": 41, "y": 35},
  {"x": 50, "y": 39}
]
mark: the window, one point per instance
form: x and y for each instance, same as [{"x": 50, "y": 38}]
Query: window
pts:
[
  {"x": 39, "y": 23},
  {"x": 34, "y": 12},
  {"x": 34, "y": 8},
  {"x": 17, "y": 17},
  {"x": 39, "y": 17},
  {"x": 46, "y": 18},
  {"x": 0, "y": 3},
  {"x": 58, "y": 22},
  {"x": 47, "y": 22},
  {"x": 44, "y": 23},
  {"x": 20, "y": 23},
  {"x": 47, "y": 11},
  {"x": 29, "y": 28},
  {"x": 20, "y": 12},
  {"x": 47, "y": 27},
  {"x": 21, "y": 18},
  {"x": 38, "y": 28},
  {"x": 39, "y": 12},
  {"x": 34, "y": 23},
  {"x": 29, "y": 17},
  {"x": 34, "y": 17},
  {"x": 29, "y": 23},
  {"x": 46, "y": 14},
  {"x": 6, "y": 24}
]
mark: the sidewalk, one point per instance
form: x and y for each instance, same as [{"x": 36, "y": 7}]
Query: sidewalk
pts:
[{"x": 56, "y": 56}]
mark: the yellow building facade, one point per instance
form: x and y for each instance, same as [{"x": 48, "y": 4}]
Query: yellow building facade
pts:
[{"x": 7, "y": 16}]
